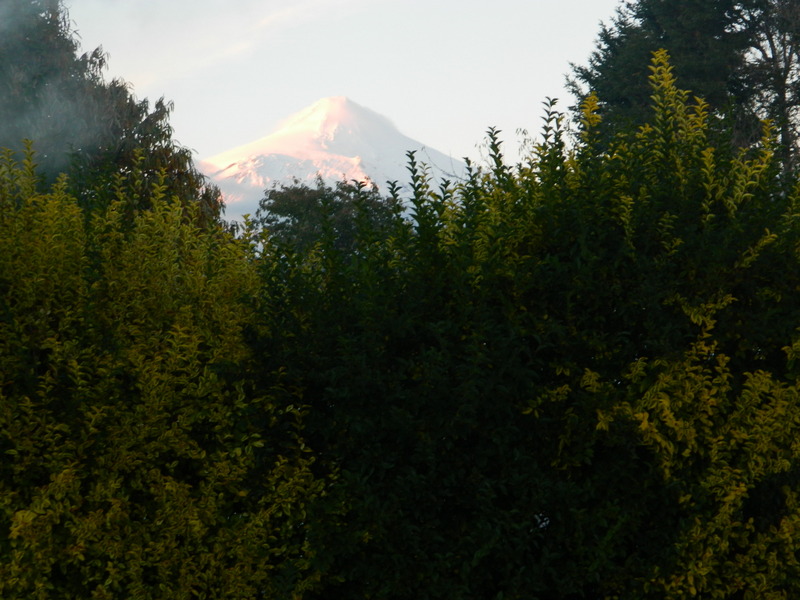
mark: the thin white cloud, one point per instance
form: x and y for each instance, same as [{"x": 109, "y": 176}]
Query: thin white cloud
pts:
[
  {"x": 242, "y": 33},
  {"x": 152, "y": 51}
]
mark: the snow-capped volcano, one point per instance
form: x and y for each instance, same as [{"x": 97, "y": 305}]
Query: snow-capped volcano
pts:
[{"x": 334, "y": 138}]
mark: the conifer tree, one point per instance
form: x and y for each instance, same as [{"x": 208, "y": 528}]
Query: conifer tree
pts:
[{"x": 742, "y": 57}]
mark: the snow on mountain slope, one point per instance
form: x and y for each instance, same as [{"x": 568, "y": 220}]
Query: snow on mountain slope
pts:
[{"x": 334, "y": 138}]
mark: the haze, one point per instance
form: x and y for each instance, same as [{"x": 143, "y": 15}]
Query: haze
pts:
[{"x": 442, "y": 71}]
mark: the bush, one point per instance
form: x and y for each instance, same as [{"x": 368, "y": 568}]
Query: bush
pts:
[{"x": 139, "y": 460}]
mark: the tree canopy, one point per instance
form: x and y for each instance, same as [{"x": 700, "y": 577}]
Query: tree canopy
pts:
[
  {"x": 139, "y": 460},
  {"x": 298, "y": 216},
  {"x": 742, "y": 57},
  {"x": 79, "y": 123},
  {"x": 573, "y": 377}
]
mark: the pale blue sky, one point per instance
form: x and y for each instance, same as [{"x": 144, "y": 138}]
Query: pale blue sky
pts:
[{"x": 442, "y": 70}]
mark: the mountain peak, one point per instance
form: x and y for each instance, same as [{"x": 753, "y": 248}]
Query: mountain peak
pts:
[
  {"x": 322, "y": 116},
  {"x": 335, "y": 118},
  {"x": 334, "y": 138},
  {"x": 330, "y": 109}
]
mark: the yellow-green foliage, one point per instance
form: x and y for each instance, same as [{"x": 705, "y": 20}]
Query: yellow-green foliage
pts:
[
  {"x": 137, "y": 459},
  {"x": 724, "y": 444},
  {"x": 572, "y": 378}
]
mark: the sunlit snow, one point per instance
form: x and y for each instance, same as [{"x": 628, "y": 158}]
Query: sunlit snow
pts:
[{"x": 334, "y": 138}]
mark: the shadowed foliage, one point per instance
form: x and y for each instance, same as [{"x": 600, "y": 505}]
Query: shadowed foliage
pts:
[
  {"x": 742, "y": 57},
  {"x": 139, "y": 460},
  {"x": 575, "y": 377},
  {"x": 81, "y": 124}
]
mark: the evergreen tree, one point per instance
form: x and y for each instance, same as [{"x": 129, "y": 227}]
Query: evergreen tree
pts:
[
  {"x": 78, "y": 122},
  {"x": 705, "y": 55},
  {"x": 742, "y": 57}
]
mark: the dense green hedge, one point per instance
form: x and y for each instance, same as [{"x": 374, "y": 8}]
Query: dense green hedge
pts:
[
  {"x": 576, "y": 377},
  {"x": 573, "y": 378},
  {"x": 138, "y": 459}
]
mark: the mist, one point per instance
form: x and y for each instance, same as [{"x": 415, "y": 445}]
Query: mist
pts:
[{"x": 48, "y": 94}]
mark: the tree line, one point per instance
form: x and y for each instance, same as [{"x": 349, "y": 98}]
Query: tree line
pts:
[{"x": 572, "y": 377}]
